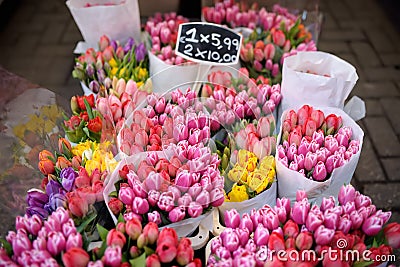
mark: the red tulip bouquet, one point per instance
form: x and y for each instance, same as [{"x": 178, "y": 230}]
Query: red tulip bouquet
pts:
[
  {"x": 85, "y": 122},
  {"x": 318, "y": 151},
  {"x": 349, "y": 233}
]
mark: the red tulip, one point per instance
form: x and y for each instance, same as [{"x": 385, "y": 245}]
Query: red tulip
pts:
[
  {"x": 95, "y": 125},
  {"x": 276, "y": 242},
  {"x": 185, "y": 253},
  {"x": 153, "y": 261},
  {"x": 75, "y": 257},
  {"x": 392, "y": 234},
  {"x": 78, "y": 206},
  {"x": 115, "y": 237}
]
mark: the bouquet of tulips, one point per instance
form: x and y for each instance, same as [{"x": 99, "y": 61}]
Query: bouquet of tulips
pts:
[
  {"x": 182, "y": 181},
  {"x": 351, "y": 232},
  {"x": 129, "y": 62},
  {"x": 85, "y": 123},
  {"x": 318, "y": 149},
  {"x": 57, "y": 242}
]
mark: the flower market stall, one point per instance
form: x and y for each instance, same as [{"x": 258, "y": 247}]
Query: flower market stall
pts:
[{"x": 224, "y": 142}]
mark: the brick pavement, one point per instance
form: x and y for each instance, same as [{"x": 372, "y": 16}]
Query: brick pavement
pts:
[{"x": 38, "y": 39}]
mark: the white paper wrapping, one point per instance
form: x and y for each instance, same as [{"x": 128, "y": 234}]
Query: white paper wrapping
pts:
[
  {"x": 290, "y": 181},
  {"x": 118, "y": 21},
  {"x": 299, "y": 87},
  {"x": 182, "y": 228},
  {"x": 268, "y": 197}
]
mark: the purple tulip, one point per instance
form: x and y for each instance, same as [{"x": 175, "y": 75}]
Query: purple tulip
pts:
[
  {"x": 55, "y": 243},
  {"x": 232, "y": 218},
  {"x": 152, "y": 197},
  {"x": 68, "y": 176},
  {"x": 314, "y": 220},
  {"x": 372, "y": 225},
  {"x": 300, "y": 211},
  {"x": 356, "y": 220},
  {"x": 203, "y": 198},
  {"x": 166, "y": 201},
  {"x": 346, "y": 194},
  {"x": 319, "y": 172},
  {"x": 53, "y": 187},
  {"x": 140, "y": 52},
  {"x": 344, "y": 224},
  {"x": 195, "y": 209},
  {"x": 177, "y": 214},
  {"x": 261, "y": 235},
  {"x": 310, "y": 161},
  {"x": 140, "y": 205},
  {"x": 126, "y": 195},
  {"x": 154, "y": 217},
  {"x": 55, "y": 201},
  {"x": 36, "y": 198},
  {"x": 323, "y": 236}
]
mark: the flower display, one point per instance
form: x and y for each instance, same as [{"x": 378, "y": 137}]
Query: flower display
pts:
[
  {"x": 163, "y": 31},
  {"x": 167, "y": 190},
  {"x": 128, "y": 61},
  {"x": 315, "y": 145},
  {"x": 274, "y": 235},
  {"x": 250, "y": 176}
]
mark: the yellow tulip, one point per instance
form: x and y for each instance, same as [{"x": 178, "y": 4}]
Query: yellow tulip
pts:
[{"x": 238, "y": 193}]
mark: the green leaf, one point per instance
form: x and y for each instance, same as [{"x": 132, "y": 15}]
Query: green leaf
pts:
[
  {"x": 113, "y": 194},
  {"x": 139, "y": 261},
  {"x": 67, "y": 152},
  {"x": 102, "y": 232},
  {"x": 88, "y": 109},
  {"x": 362, "y": 263},
  {"x": 148, "y": 251},
  {"x": 375, "y": 243},
  {"x": 86, "y": 222},
  {"x": 121, "y": 218},
  {"x": 7, "y": 246}
]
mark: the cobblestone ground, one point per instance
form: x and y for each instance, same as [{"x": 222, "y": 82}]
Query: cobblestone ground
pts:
[{"x": 37, "y": 41}]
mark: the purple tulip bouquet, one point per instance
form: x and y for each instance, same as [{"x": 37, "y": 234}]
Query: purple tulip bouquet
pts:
[{"x": 351, "y": 232}]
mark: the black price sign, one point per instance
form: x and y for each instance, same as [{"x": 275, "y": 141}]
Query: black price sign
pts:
[{"x": 208, "y": 43}]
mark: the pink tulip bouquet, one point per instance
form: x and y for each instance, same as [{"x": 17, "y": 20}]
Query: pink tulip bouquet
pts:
[
  {"x": 112, "y": 59},
  {"x": 315, "y": 145},
  {"x": 166, "y": 187},
  {"x": 163, "y": 31},
  {"x": 350, "y": 233}
]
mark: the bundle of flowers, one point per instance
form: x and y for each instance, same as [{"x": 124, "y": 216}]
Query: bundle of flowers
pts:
[
  {"x": 85, "y": 123},
  {"x": 231, "y": 99},
  {"x": 264, "y": 51},
  {"x": 166, "y": 190},
  {"x": 130, "y": 244},
  {"x": 164, "y": 121},
  {"x": 315, "y": 145},
  {"x": 249, "y": 176},
  {"x": 123, "y": 98},
  {"x": 232, "y": 14},
  {"x": 351, "y": 233},
  {"x": 163, "y": 31},
  {"x": 74, "y": 179},
  {"x": 129, "y": 62}
]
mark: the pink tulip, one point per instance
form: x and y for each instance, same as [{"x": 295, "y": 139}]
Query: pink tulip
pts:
[
  {"x": 292, "y": 150},
  {"x": 246, "y": 223},
  {"x": 346, "y": 194},
  {"x": 231, "y": 218},
  {"x": 278, "y": 38},
  {"x": 140, "y": 205},
  {"x": 309, "y": 127},
  {"x": 314, "y": 220},
  {"x": 269, "y": 51},
  {"x": 194, "y": 209},
  {"x": 113, "y": 256},
  {"x": 126, "y": 195},
  {"x": 154, "y": 217},
  {"x": 217, "y": 197},
  {"x": 271, "y": 220},
  {"x": 356, "y": 220},
  {"x": 299, "y": 160},
  {"x": 323, "y": 236},
  {"x": 342, "y": 139},
  {"x": 261, "y": 235},
  {"x": 319, "y": 172},
  {"x": 166, "y": 201},
  {"x": 384, "y": 216},
  {"x": 75, "y": 257},
  {"x": 362, "y": 201},
  {"x": 22, "y": 243},
  {"x": 310, "y": 161},
  {"x": 344, "y": 224},
  {"x": 133, "y": 228},
  {"x": 331, "y": 219},
  {"x": 55, "y": 243},
  {"x": 372, "y": 225},
  {"x": 177, "y": 214},
  {"x": 300, "y": 211}
]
